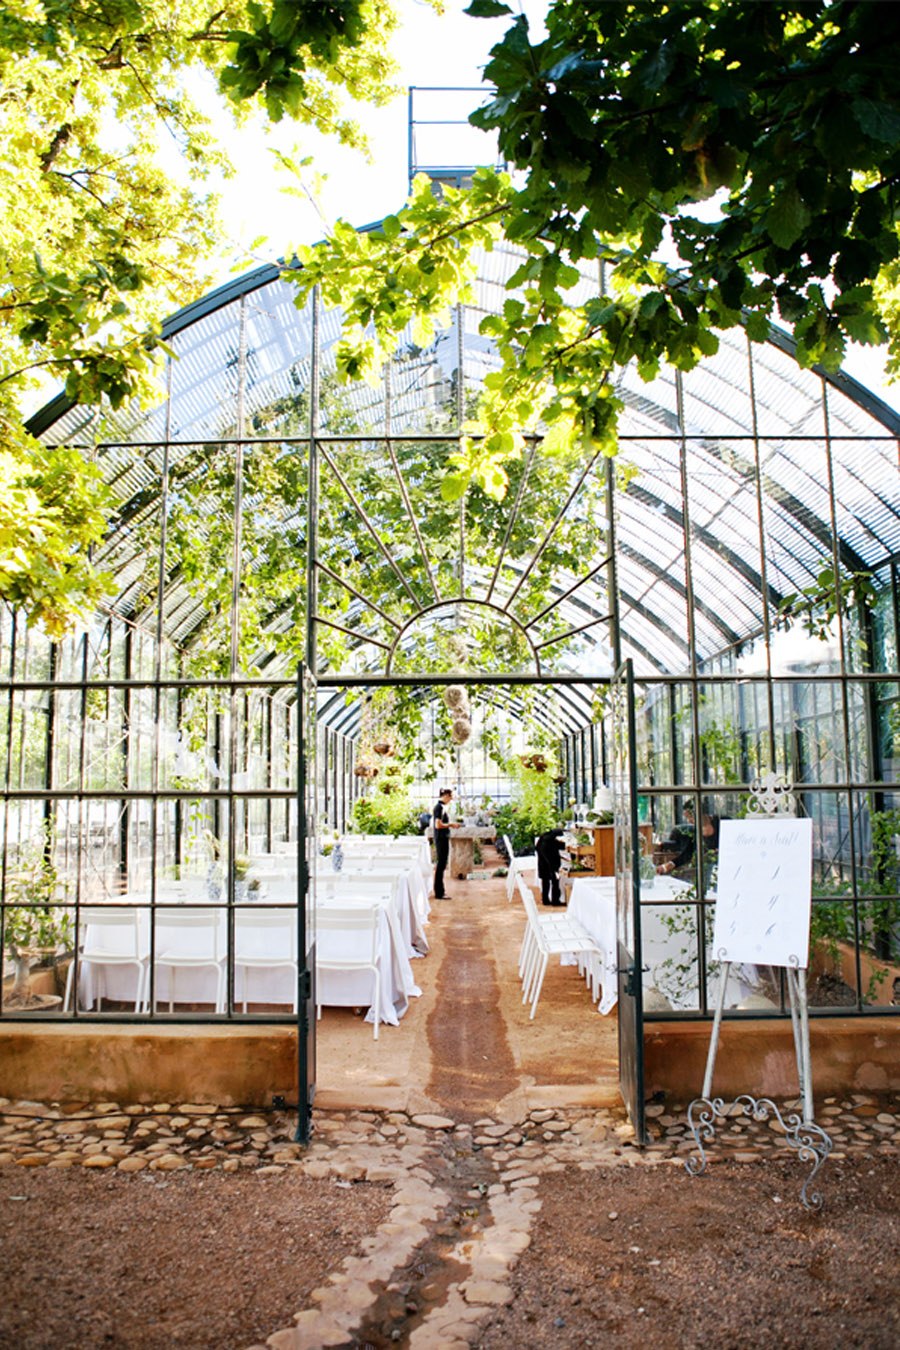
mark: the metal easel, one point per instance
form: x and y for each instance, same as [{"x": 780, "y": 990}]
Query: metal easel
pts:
[{"x": 771, "y": 795}]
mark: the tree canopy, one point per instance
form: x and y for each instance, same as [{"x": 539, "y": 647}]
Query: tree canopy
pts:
[
  {"x": 717, "y": 161},
  {"x": 706, "y": 163},
  {"x": 108, "y": 218}
]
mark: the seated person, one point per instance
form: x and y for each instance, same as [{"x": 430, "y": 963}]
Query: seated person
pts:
[
  {"x": 550, "y": 850},
  {"x": 678, "y": 849}
]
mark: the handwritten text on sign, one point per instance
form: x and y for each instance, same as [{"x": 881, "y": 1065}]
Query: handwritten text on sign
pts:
[{"x": 763, "y": 892}]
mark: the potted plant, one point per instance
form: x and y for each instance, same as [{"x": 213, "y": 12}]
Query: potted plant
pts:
[
  {"x": 240, "y": 867},
  {"x": 34, "y": 928}
]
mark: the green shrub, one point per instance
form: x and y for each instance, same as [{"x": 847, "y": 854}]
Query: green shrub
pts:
[{"x": 388, "y": 808}]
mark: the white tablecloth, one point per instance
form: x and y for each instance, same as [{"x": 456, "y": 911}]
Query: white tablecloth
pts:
[
  {"x": 198, "y": 985},
  {"x": 592, "y": 901},
  {"x": 353, "y": 989},
  {"x": 192, "y": 984},
  {"x": 408, "y": 895}
]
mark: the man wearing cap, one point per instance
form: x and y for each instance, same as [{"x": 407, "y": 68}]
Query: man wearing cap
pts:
[{"x": 441, "y": 826}]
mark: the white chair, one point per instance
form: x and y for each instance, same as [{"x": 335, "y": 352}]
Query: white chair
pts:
[
  {"x": 266, "y": 939},
  {"x": 347, "y": 940},
  {"x": 517, "y": 868},
  {"x": 190, "y": 939},
  {"x": 112, "y": 937},
  {"x": 548, "y": 936}
]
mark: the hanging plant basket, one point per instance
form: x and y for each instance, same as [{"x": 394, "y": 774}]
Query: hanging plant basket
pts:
[
  {"x": 536, "y": 762},
  {"x": 560, "y": 779},
  {"x": 461, "y": 730},
  {"x": 383, "y": 748},
  {"x": 456, "y": 698},
  {"x": 366, "y": 771}
]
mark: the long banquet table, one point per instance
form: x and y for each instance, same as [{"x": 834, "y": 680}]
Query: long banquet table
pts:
[
  {"x": 668, "y": 941},
  {"x": 401, "y": 937}
]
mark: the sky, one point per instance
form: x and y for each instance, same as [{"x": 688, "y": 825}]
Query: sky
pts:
[{"x": 433, "y": 52}]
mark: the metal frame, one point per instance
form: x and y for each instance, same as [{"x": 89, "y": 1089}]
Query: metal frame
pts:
[{"x": 636, "y": 620}]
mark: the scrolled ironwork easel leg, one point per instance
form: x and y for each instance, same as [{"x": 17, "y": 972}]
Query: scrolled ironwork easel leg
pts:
[
  {"x": 812, "y": 1144},
  {"x": 704, "y": 1127}
]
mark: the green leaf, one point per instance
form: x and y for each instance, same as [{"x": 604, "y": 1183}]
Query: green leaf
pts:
[
  {"x": 453, "y": 486},
  {"x": 652, "y": 72},
  {"x": 487, "y": 9},
  {"x": 757, "y": 326},
  {"x": 876, "y": 119},
  {"x": 787, "y": 218},
  {"x": 865, "y": 327}
]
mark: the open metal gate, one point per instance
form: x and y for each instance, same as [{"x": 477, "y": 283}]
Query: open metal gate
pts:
[
  {"x": 628, "y": 901},
  {"x": 306, "y": 909}
]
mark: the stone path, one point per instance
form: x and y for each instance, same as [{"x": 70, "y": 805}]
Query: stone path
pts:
[{"x": 465, "y": 1194}]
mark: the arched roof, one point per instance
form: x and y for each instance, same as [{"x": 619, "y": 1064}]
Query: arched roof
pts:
[{"x": 742, "y": 473}]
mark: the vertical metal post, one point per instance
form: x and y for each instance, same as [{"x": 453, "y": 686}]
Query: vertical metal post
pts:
[
  {"x": 763, "y": 562},
  {"x": 845, "y": 702},
  {"x": 714, "y": 1038},
  {"x": 10, "y": 724},
  {"x": 306, "y": 743}
]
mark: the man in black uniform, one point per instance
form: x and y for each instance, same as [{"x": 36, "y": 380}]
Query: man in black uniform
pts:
[
  {"x": 442, "y": 827},
  {"x": 549, "y": 850}
]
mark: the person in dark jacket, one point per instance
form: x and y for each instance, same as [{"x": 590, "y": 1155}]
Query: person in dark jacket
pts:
[
  {"x": 550, "y": 848},
  {"x": 678, "y": 850}
]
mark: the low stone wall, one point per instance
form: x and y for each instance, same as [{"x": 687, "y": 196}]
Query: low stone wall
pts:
[
  {"x": 247, "y": 1066},
  {"x": 229, "y": 1065},
  {"x": 848, "y": 1054}
]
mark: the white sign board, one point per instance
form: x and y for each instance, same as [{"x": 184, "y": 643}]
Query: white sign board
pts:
[{"x": 763, "y": 892}]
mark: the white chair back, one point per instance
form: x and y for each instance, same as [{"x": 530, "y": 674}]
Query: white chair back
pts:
[
  {"x": 193, "y": 934},
  {"x": 114, "y": 932},
  {"x": 266, "y": 939},
  {"x": 265, "y": 936},
  {"x": 112, "y": 937},
  {"x": 347, "y": 939},
  {"x": 190, "y": 938}
]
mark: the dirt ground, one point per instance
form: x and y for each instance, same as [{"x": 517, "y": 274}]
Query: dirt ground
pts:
[
  {"x": 636, "y": 1258},
  {"x": 198, "y": 1260},
  {"x": 626, "y": 1257}
]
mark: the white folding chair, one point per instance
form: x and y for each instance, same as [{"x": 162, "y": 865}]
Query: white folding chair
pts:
[
  {"x": 547, "y": 936},
  {"x": 190, "y": 939},
  {"x": 112, "y": 937},
  {"x": 266, "y": 939},
  {"x": 517, "y": 867},
  {"x": 347, "y": 940}
]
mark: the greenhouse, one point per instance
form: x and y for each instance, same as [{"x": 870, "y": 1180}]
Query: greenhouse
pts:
[{"x": 292, "y": 597}]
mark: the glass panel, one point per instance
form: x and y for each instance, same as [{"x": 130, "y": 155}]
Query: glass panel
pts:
[
  {"x": 884, "y": 621},
  {"x": 832, "y": 978},
  {"x": 885, "y": 762},
  {"x": 879, "y": 932},
  {"x": 670, "y": 949},
  {"x": 721, "y": 748}
]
